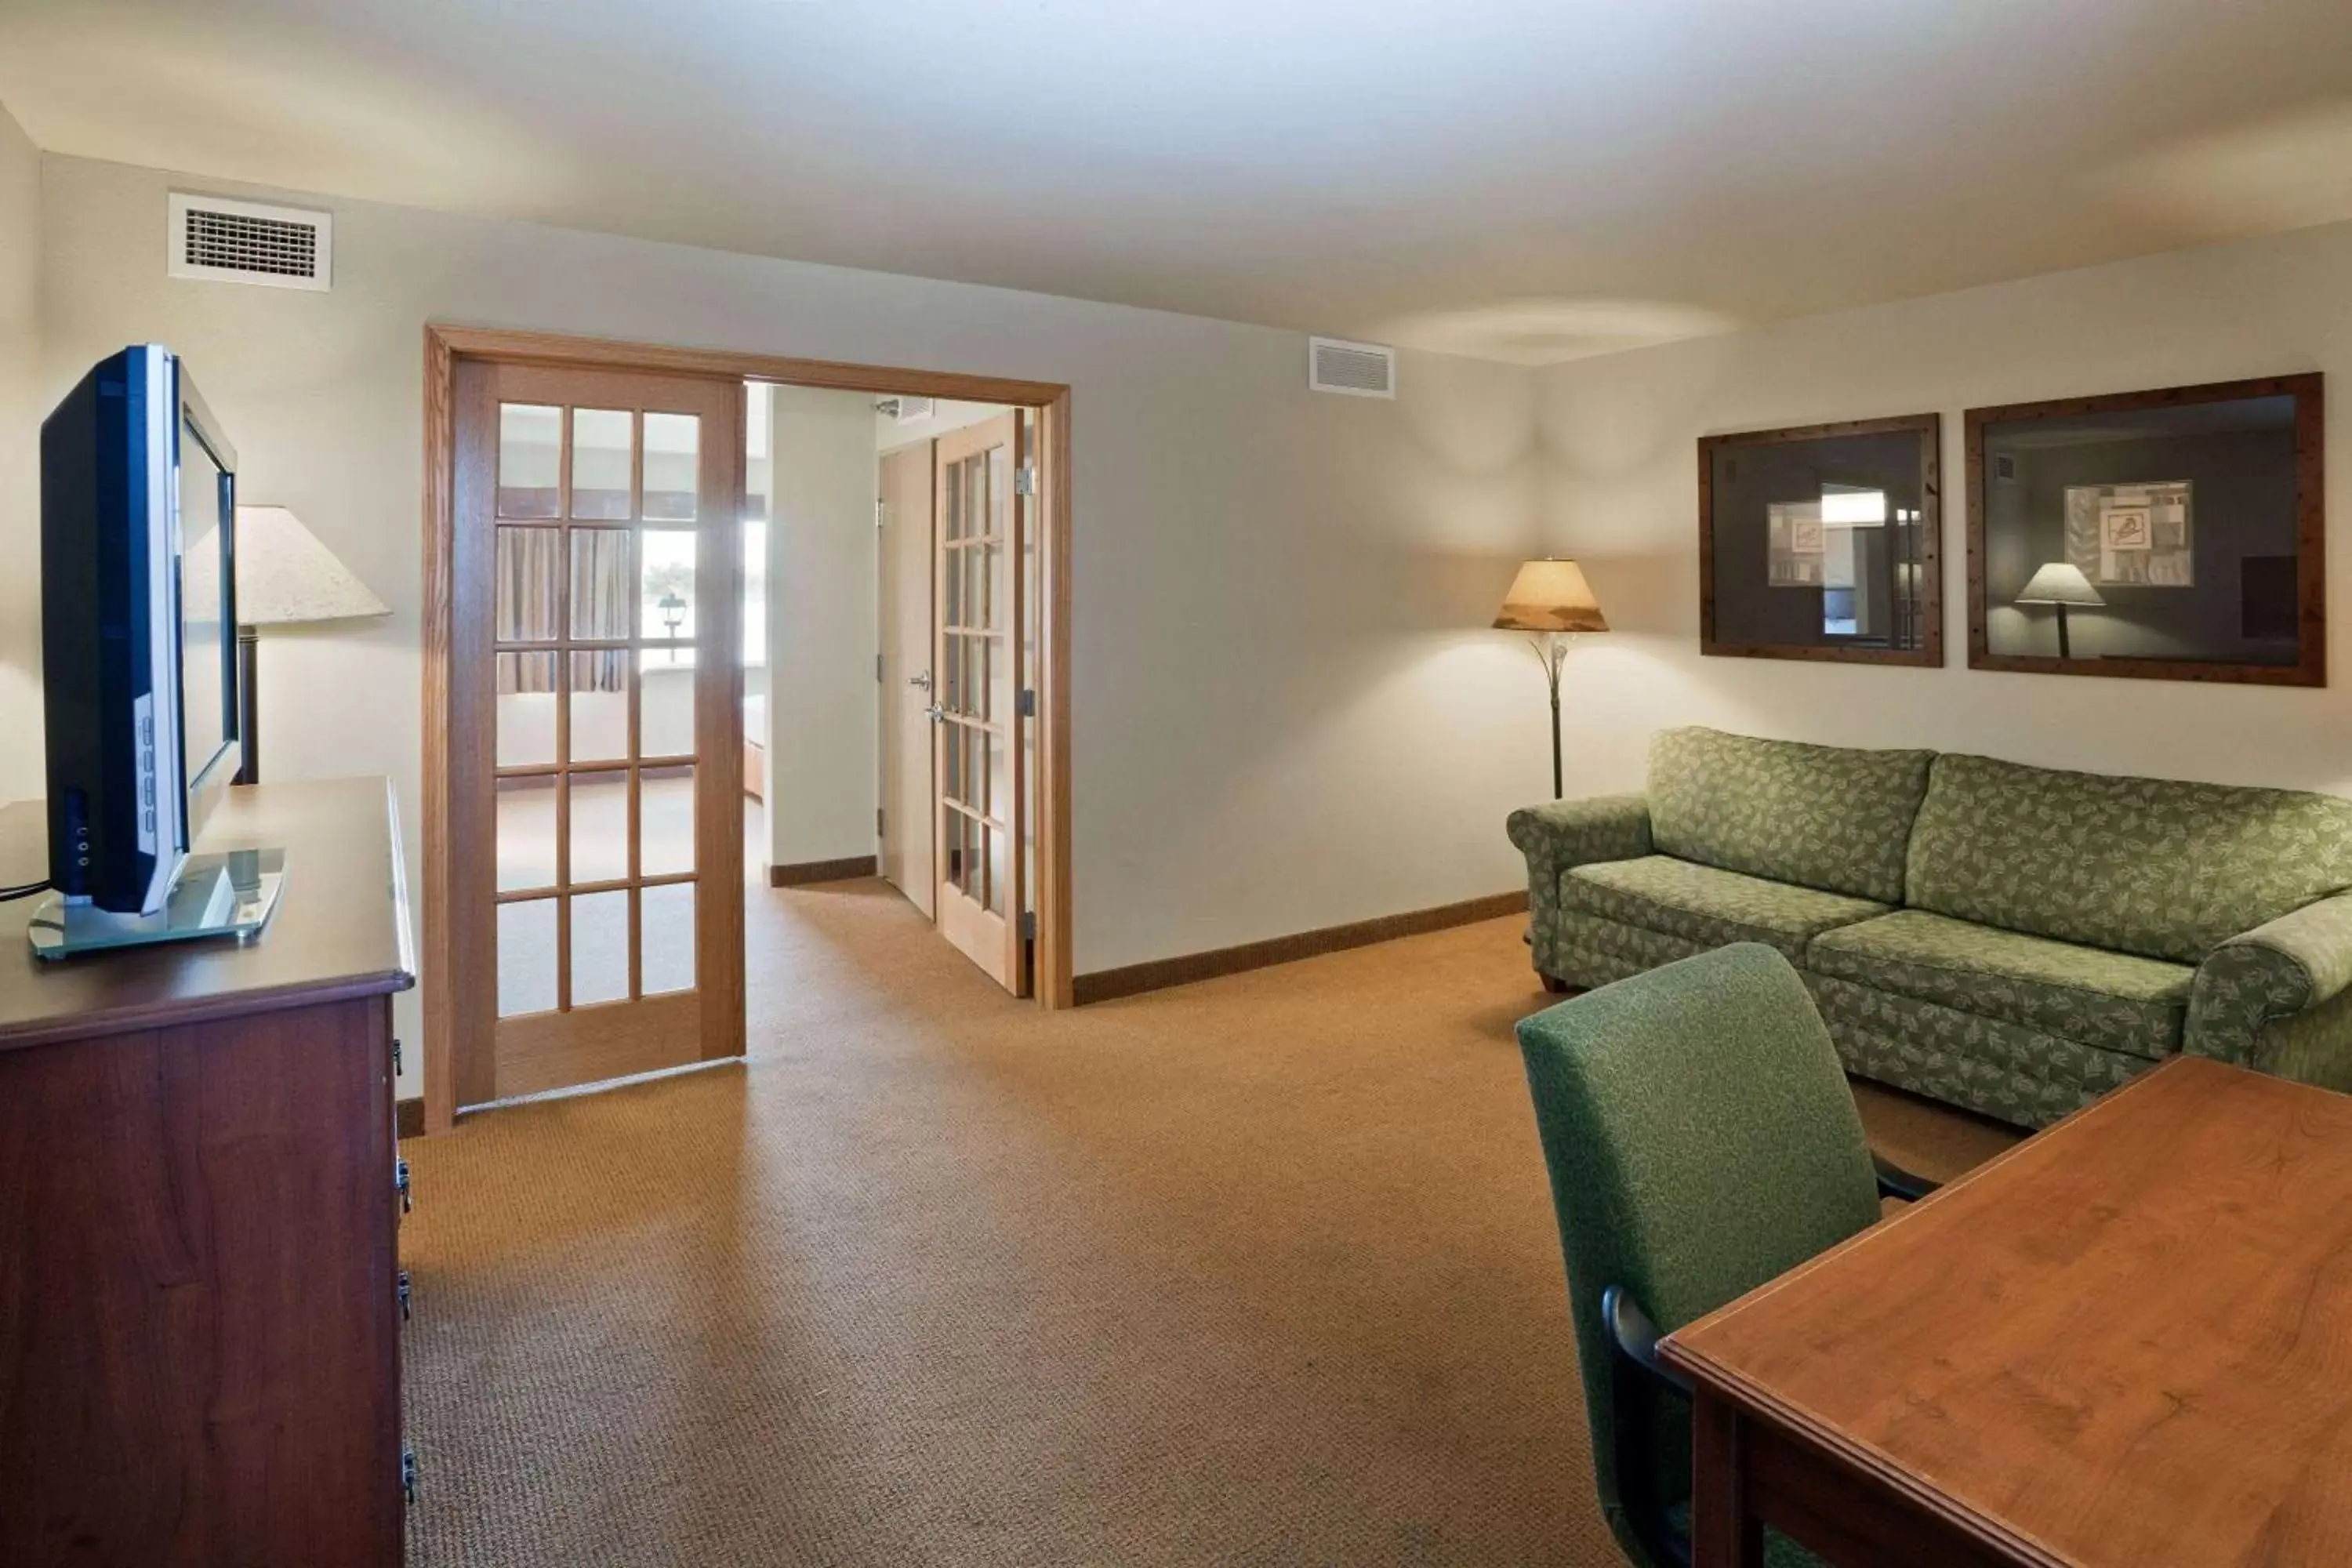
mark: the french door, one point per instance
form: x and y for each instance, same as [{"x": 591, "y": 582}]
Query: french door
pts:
[
  {"x": 980, "y": 651},
  {"x": 597, "y": 556}
]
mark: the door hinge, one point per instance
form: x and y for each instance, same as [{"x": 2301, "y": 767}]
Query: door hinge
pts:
[
  {"x": 1024, "y": 482},
  {"x": 877, "y": 822},
  {"x": 1028, "y": 705},
  {"x": 878, "y": 666},
  {"x": 881, "y": 514},
  {"x": 1029, "y": 925}
]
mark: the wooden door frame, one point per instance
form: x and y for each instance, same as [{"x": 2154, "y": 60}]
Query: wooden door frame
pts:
[{"x": 445, "y": 345}]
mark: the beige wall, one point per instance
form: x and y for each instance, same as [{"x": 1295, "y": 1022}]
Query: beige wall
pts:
[
  {"x": 1286, "y": 713},
  {"x": 821, "y": 628},
  {"x": 21, "y": 407},
  {"x": 1622, "y": 493}
]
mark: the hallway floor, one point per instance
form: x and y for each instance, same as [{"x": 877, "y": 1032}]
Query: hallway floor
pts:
[{"x": 1259, "y": 1270}]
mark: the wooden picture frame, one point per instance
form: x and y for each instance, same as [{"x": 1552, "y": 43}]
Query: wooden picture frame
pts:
[
  {"x": 1991, "y": 589},
  {"x": 1922, "y": 645}
]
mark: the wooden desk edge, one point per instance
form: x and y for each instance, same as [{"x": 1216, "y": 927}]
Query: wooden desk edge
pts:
[
  {"x": 1753, "y": 1401},
  {"x": 170, "y": 1012},
  {"x": 1675, "y": 1347}
]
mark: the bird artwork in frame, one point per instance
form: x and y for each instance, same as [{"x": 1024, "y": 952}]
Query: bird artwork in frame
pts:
[{"x": 2132, "y": 535}]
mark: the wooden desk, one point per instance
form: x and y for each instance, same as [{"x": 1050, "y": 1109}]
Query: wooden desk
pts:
[
  {"x": 199, "y": 1317},
  {"x": 2126, "y": 1341}
]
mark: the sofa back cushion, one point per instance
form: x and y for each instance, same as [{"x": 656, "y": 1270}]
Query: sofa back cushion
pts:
[
  {"x": 1821, "y": 817},
  {"x": 2155, "y": 867}
]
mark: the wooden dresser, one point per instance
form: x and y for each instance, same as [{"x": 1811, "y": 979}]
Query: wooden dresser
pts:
[{"x": 200, "y": 1294}]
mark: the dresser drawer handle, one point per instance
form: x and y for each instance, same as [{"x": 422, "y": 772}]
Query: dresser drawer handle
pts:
[
  {"x": 400, "y": 1184},
  {"x": 404, "y": 1295},
  {"x": 408, "y": 1474}
]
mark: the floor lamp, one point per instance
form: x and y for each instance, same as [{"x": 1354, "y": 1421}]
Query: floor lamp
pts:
[
  {"x": 1551, "y": 599},
  {"x": 285, "y": 577}
]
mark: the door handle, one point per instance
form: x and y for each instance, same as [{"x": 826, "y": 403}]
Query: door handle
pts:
[{"x": 921, "y": 680}]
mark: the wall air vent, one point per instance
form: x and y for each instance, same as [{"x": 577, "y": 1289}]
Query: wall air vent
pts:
[
  {"x": 907, "y": 410},
  {"x": 1359, "y": 369},
  {"x": 243, "y": 242}
]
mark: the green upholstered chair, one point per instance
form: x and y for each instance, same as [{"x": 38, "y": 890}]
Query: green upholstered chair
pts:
[{"x": 1702, "y": 1139}]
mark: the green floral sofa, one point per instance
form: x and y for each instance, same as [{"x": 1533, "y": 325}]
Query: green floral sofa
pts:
[{"x": 2014, "y": 939}]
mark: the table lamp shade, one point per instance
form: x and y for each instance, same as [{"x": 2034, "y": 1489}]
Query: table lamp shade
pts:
[
  {"x": 286, "y": 577},
  {"x": 1550, "y": 596},
  {"x": 2060, "y": 583}
]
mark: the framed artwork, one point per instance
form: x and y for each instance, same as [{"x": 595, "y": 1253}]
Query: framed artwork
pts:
[
  {"x": 2175, "y": 534},
  {"x": 2131, "y": 535},
  {"x": 1822, "y": 542}
]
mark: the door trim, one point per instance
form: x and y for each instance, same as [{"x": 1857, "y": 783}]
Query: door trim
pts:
[{"x": 451, "y": 842}]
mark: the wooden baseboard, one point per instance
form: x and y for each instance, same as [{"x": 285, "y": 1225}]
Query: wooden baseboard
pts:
[
  {"x": 408, "y": 1117},
  {"x": 1107, "y": 985},
  {"x": 807, "y": 871}
]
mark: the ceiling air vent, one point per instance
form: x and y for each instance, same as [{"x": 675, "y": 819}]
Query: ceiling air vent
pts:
[
  {"x": 242, "y": 242},
  {"x": 1360, "y": 370},
  {"x": 907, "y": 410}
]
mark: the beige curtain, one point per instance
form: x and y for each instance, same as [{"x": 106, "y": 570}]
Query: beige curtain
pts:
[
  {"x": 600, "y": 605},
  {"x": 529, "y": 562}
]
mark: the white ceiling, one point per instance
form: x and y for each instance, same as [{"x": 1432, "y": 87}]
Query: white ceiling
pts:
[{"x": 1523, "y": 179}]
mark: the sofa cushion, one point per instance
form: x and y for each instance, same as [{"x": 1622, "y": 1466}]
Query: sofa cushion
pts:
[
  {"x": 2111, "y": 1000},
  {"x": 2009, "y": 1070},
  {"x": 1712, "y": 908},
  {"x": 2154, "y": 867},
  {"x": 1821, "y": 816}
]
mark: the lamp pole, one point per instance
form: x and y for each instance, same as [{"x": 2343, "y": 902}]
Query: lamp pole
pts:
[{"x": 1551, "y": 651}]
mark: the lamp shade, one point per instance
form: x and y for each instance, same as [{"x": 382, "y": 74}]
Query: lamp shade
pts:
[
  {"x": 1550, "y": 596},
  {"x": 285, "y": 577},
  {"x": 2060, "y": 583}
]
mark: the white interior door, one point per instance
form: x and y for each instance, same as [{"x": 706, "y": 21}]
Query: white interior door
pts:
[{"x": 909, "y": 819}]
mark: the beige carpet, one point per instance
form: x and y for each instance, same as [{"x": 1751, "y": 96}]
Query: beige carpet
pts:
[{"x": 1256, "y": 1271}]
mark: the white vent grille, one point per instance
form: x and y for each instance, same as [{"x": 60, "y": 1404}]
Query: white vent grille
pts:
[
  {"x": 1359, "y": 369},
  {"x": 907, "y": 410},
  {"x": 242, "y": 242}
]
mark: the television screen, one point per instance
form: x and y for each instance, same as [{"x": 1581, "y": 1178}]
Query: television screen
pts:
[
  {"x": 138, "y": 600},
  {"x": 206, "y": 571}
]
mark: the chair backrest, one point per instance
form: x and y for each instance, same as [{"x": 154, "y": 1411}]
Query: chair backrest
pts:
[
  {"x": 1834, "y": 817},
  {"x": 1701, "y": 1141}
]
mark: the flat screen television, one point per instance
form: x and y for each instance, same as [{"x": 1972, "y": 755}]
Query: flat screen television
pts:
[{"x": 137, "y": 622}]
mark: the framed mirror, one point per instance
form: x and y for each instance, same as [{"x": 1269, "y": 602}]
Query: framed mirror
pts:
[
  {"x": 2167, "y": 536},
  {"x": 1821, "y": 542}
]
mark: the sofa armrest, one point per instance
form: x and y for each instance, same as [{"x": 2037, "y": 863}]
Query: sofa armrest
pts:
[
  {"x": 2254, "y": 993},
  {"x": 1568, "y": 833}
]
